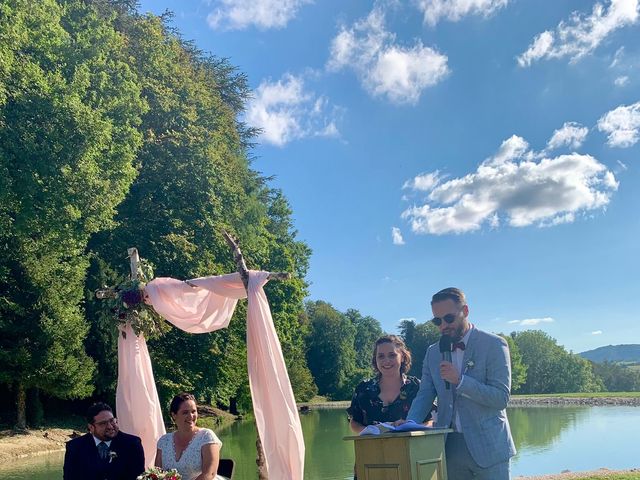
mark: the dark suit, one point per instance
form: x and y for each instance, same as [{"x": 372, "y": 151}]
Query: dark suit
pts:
[{"x": 82, "y": 460}]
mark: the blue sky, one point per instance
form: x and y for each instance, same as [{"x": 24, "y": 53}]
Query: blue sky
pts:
[{"x": 487, "y": 144}]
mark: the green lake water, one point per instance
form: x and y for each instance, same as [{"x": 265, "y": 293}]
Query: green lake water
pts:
[{"x": 548, "y": 439}]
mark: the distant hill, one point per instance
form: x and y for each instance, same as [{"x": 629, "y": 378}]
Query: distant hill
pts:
[{"x": 613, "y": 353}]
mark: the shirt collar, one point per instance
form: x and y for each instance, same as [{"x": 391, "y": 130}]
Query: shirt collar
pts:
[
  {"x": 97, "y": 440},
  {"x": 465, "y": 338}
]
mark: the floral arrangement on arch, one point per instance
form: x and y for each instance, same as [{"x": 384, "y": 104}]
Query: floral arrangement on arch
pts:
[
  {"x": 155, "y": 473},
  {"x": 127, "y": 304}
]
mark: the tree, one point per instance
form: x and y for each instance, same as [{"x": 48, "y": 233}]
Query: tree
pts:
[
  {"x": 418, "y": 337},
  {"x": 368, "y": 330},
  {"x": 69, "y": 107},
  {"x": 550, "y": 368},
  {"x": 331, "y": 356},
  {"x": 518, "y": 368},
  {"x": 617, "y": 378},
  {"x": 194, "y": 181}
]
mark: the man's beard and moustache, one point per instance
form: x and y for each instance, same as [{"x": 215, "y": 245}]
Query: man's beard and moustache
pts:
[{"x": 455, "y": 334}]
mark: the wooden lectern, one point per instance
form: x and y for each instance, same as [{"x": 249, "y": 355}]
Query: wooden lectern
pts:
[{"x": 401, "y": 455}]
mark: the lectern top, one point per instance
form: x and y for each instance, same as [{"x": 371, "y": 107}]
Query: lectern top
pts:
[{"x": 417, "y": 433}]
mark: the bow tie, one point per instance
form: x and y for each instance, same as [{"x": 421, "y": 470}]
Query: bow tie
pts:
[{"x": 457, "y": 345}]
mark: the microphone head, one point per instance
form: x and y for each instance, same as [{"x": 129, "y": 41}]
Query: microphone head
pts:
[{"x": 445, "y": 343}]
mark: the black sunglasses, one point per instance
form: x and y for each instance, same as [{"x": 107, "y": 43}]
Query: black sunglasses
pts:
[{"x": 449, "y": 318}]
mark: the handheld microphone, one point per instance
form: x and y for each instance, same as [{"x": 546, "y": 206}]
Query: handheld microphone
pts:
[{"x": 445, "y": 350}]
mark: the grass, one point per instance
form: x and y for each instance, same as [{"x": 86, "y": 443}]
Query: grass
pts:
[
  {"x": 613, "y": 476},
  {"x": 583, "y": 395}
]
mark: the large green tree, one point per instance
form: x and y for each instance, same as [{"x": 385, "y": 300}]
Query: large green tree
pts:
[
  {"x": 69, "y": 108},
  {"x": 331, "y": 355},
  {"x": 550, "y": 368},
  {"x": 368, "y": 330},
  {"x": 418, "y": 337},
  {"x": 194, "y": 181}
]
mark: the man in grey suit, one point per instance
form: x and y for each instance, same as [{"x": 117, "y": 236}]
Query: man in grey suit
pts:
[{"x": 473, "y": 385}]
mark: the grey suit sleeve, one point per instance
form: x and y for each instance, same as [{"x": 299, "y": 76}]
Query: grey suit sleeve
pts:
[
  {"x": 497, "y": 389},
  {"x": 421, "y": 405}
]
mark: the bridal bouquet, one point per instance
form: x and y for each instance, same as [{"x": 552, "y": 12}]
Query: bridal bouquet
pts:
[{"x": 155, "y": 473}]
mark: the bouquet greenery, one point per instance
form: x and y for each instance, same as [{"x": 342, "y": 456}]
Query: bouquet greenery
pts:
[
  {"x": 128, "y": 306},
  {"x": 155, "y": 473}
]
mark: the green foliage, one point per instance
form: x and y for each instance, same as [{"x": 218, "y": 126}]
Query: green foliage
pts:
[
  {"x": 418, "y": 337},
  {"x": 518, "y": 368},
  {"x": 550, "y": 368},
  {"x": 114, "y": 133},
  {"x": 194, "y": 180},
  {"x": 368, "y": 330},
  {"x": 331, "y": 354},
  {"x": 69, "y": 108},
  {"x": 617, "y": 378}
]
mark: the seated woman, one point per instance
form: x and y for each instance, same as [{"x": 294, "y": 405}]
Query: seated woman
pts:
[
  {"x": 388, "y": 396},
  {"x": 194, "y": 452}
]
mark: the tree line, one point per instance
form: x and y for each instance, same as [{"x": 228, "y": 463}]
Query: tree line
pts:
[
  {"x": 340, "y": 355},
  {"x": 117, "y": 132}
]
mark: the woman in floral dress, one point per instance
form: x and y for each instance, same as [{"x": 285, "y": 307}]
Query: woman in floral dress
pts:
[{"x": 386, "y": 397}]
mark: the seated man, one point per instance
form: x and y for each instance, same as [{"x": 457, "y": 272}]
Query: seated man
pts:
[{"x": 105, "y": 453}]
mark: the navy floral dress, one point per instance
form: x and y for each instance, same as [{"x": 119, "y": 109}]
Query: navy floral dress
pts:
[{"x": 367, "y": 408}]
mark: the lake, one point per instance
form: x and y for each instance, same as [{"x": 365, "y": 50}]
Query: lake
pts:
[{"x": 548, "y": 439}]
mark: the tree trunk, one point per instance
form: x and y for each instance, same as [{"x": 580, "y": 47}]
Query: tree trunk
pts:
[
  {"x": 21, "y": 407},
  {"x": 260, "y": 461}
]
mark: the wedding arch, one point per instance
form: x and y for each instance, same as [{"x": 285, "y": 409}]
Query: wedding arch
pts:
[{"x": 204, "y": 305}]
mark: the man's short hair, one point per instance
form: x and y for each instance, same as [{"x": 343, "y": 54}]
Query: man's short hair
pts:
[
  {"x": 95, "y": 409},
  {"x": 450, "y": 293}
]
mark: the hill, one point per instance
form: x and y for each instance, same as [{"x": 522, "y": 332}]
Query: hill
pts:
[{"x": 614, "y": 353}]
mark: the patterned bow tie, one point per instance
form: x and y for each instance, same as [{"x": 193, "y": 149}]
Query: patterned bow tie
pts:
[{"x": 457, "y": 345}]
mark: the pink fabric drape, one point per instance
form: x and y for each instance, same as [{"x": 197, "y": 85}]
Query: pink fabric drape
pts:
[
  {"x": 137, "y": 404},
  {"x": 204, "y": 307}
]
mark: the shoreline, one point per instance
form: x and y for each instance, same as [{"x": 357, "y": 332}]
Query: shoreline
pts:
[{"x": 50, "y": 440}]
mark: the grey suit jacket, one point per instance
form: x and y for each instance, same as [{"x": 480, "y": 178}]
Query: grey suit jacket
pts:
[{"x": 481, "y": 400}]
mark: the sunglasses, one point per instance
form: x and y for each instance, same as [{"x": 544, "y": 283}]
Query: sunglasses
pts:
[{"x": 449, "y": 318}]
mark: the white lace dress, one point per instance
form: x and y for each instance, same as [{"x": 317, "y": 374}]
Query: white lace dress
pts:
[{"x": 190, "y": 463}]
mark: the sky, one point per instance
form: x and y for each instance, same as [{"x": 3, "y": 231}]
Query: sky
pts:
[{"x": 490, "y": 145}]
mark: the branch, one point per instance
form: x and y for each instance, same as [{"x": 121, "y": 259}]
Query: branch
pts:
[{"x": 242, "y": 266}]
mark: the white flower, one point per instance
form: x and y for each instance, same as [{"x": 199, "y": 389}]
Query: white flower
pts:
[
  {"x": 112, "y": 456},
  {"x": 469, "y": 365}
]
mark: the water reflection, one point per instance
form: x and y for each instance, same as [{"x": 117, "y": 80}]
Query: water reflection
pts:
[
  {"x": 549, "y": 440},
  {"x": 536, "y": 427}
]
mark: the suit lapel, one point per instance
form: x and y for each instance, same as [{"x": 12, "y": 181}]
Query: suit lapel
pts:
[{"x": 469, "y": 349}]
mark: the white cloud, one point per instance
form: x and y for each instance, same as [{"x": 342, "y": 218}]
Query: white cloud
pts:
[
  {"x": 284, "y": 111},
  {"x": 530, "y": 322},
  {"x": 622, "y": 125},
  {"x": 264, "y": 14},
  {"x": 515, "y": 188},
  {"x": 396, "y": 235},
  {"x": 385, "y": 68},
  {"x": 581, "y": 34},
  {"x": 596, "y": 332},
  {"x": 454, "y": 10},
  {"x": 621, "y": 81},
  {"x": 617, "y": 57},
  {"x": 571, "y": 134},
  {"x": 424, "y": 181}
]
